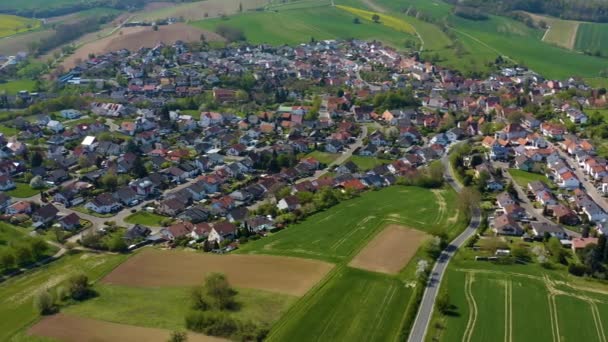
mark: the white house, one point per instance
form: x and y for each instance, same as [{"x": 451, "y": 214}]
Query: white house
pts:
[{"x": 55, "y": 126}]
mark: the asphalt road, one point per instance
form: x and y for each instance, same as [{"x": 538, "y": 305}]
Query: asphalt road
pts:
[{"x": 425, "y": 311}]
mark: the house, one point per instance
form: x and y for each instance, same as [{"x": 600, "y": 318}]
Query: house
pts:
[
  {"x": 136, "y": 233},
  {"x": 70, "y": 222},
  {"x": 289, "y": 203},
  {"x": 5, "y": 201},
  {"x": 568, "y": 180},
  {"x": 103, "y": 204},
  {"x": 171, "y": 207},
  {"x": 259, "y": 223},
  {"x": 126, "y": 196},
  {"x": 542, "y": 229},
  {"x": 70, "y": 114},
  {"x": 6, "y": 183},
  {"x": 506, "y": 225},
  {"x": 177, "y": 230},
  {"x": 564, "y": 215},
  {"x": 504, "y": 199},
  {"x": 21, "y": 207},
  {"x": 552, "y": 130},
  {"x": 221, "y": 231},
  {"x": 578, "y": 244},
  {"x": 524, "y": 163},
  {"x": 44, "y": 215}
]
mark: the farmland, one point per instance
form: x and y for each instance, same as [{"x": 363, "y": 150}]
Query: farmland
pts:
[
  {"x": 75, "y": 329},
  {"x": 560, "y": 32},
  {"x": 200, "y": 9},
  {"x": 493, "y": 302},
  {"x": 299, "y": 26},
  {"x": 390, "y": 250},
  {"x": 10, "y": 25},
  {"x": 157, "y": 268},
  {"x": 335, "y": 235},
  {"x": 592, "y": 37},
  {"x": 354, "y": 305},
  {"x": 16, "y": 295}
]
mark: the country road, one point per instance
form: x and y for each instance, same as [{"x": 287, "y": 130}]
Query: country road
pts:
[{"x": 425, "y": 312}]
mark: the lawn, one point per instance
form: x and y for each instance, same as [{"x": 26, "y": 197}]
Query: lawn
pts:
[
  {"x": 354, "y": 305},
  {"x": 592, "y": 37},
  {"x": 368, "y": 163},
  {"x": 523, "y": 178},
  {"x": 10, "y": 233},
  {"x": 337, "y": 233},
  {"x": 132, "y": 305},
  {"x": 10, "y": 24},
  {"x": 15, "y": 86},
  {"x": 323, "y": 157},
  {"x": 16, "y": 295},
  {"x": 145, "y": 218},
  {"x": 84, "y": 210},
  {"x": 301, "y": 25},
  {"x": 22, "y": 191}
]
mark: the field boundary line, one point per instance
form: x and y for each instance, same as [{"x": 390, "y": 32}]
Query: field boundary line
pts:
[
  {"x": 551, "y": 293},
  {"x": 385, "y": 301},
  {"x": 468, "y": 291},
  {"x": 597, "y": 320},
  {"x": 508, "y": 310}
]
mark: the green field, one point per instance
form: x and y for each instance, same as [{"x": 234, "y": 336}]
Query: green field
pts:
[
  {"x": 22, "y": 191},
  {"x": 492, "y": 302},
  {"x": 368, "y": 163},
  {"x": 523, "y": 178},
  {"x": 335, "y": 234},
  {"x": 8, "y": 234},
  {"x": 300, "y": 25},
  {"x": 323, "y": 157},
  {"x": 592, "y": 37},
  {"x": 13, "y": 87},
  {"x": 16, "y": 295},
  {"x": 354, "y": 305},
  {"x": 10, "y": 24},
  {"x": 145, "y": 218},
  {"x": 130, "y": 305}
]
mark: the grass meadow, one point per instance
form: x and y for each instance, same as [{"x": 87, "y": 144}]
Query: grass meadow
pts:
[
  {"x": 13, "y": 87},
  {"x": 368, "y": 163},
  {"x": 336, "y": 234},
  {"x": 10, "y": 24},
  {"x": 17, "y": 295},
  {"x": 145, "y": 218},
  {"x": 132, "y": 305}
]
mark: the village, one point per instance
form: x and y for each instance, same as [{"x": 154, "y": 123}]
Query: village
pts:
[{"x": 222, "y": 144}]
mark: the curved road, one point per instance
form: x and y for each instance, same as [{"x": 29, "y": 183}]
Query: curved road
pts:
[{"x": 425, "y": 311}]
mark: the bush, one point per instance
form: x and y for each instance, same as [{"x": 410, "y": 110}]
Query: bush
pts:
[
  {"x": 232, "y": 34},
  {"x": 577, "y": 269},
  {"x": 211, "y": 323},
  {"x": 78, "y": 287},
  {"x": 44, "y": 303}
]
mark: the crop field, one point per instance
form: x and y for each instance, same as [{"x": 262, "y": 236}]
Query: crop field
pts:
[
  {"x": 16, "y": 295},
  {"x": 390, "y": 250},
  {"x": 69, "y": 328},
  {"x": 300, "y": 25},
  {"x": 385, "y": 20},
  {"x": 338, "y": 233},
  {"x": 592, "y": 37},
  {"x": 10, "y": 24},
  {"x": 354, "y": 305},
  {"x": 153, "y": 268},
  {"x": 492, "y": 304},
  {"x": 200, "y": 10},
  {"x": 560, "y": 32}
]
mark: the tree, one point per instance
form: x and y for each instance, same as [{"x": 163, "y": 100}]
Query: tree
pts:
[
  {"x": 219, "y": 290},
  {"x": 23, "y": 254},
  {"x": 36, "y": 159},
  {"x": 178, "y": 336},
  {"x": 37, "y": 183},
  {"x": 443, "y": 303},
  {"x": 139, "y": 169},
  {"x": 78, "y": 287},
  {"x": 155, "y": 27},
  {"x": 7, "y": 260},
  {"x": 109, "y": 181},
  {"x": 116, "y": 243},
  {"x": 468, "y": 199},
  {"x": 44, "y": 302},
  {"x": 356, "y": 21},
  {"x": 376, "y": 18}
]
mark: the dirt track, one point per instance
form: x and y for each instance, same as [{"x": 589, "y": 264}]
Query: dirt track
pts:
[
  {"x": 76, "y": 329},
  {"x": 154, "y": 268},
  {"x": 390, "y": 250}
]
